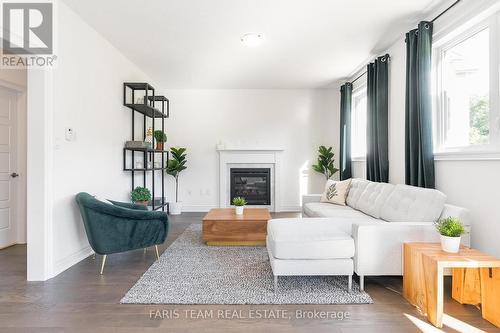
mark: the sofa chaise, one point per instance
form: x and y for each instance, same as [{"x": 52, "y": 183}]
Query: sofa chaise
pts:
[{"x": 379, "y": 217}]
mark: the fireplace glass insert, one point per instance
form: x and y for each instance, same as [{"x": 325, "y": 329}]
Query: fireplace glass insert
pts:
[{"x": 253, "y": 184}]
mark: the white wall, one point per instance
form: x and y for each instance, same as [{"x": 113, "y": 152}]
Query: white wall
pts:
[
  {"x": 296, "y": 120},
  {"x": 473, "y": 184},
  {"x": 87, "y": 96}
]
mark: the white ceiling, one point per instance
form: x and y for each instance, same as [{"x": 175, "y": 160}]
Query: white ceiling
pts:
[{"x": 196, "y": 43}]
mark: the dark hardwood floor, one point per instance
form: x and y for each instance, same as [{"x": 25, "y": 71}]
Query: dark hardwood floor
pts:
[{"x": 81, "y": 300}]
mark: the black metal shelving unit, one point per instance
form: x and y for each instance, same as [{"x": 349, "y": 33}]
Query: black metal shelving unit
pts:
[{"x": 149, "y": 110}]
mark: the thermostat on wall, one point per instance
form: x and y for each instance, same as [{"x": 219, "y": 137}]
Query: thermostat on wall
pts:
[{"x": 70, "y": 134}]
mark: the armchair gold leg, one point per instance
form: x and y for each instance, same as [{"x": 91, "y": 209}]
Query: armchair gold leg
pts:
[
  {"x": 103, "y": 263},
  {"x": 157, "y": 253}
]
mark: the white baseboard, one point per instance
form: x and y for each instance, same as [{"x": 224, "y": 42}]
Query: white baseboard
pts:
[
  {"x": 292, "y": 209},
  {"x": 197, "y": 208},
  {"x": 63, "y": 264},
  {"x": 206, "y": 208}
]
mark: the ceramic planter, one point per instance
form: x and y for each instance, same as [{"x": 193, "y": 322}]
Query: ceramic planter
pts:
[
  {"x": 450, "y": 244},
  {"x": 175, "y": 208},
  {"x": 239, "y": 210},
  {"x": 144, "y": 203},
  {"x": 159, "y": 146}
]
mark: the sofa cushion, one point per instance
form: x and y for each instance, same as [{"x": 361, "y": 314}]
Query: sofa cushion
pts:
[
  {"x": 288, "y": 239},
  {"x": 413, "y": 204},
  {"x": 335, "y": 192},
  {"x": 344, "y": 224},
  {"x": 321, "y": 209},
  {"x": 373, "y": 197},
  {"x": 356, "y": 189}
]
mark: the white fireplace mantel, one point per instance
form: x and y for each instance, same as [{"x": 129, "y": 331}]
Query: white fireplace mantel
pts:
[{"x": 258, "y": 157}]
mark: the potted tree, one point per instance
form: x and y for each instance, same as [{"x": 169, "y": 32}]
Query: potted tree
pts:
[
  {"x": 240, "y": 203},
  {"x": 160, "y": 138},
  {"x": 325, "y": 162},
  {"x": 140, "y": 195},
  {"x": 175, "y": 166},
  {"x": 450, "y": 229}
]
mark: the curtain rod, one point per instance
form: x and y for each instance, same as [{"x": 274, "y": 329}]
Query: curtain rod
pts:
[
  {"x": 434, "y": 19},
  {"x": 364, "y": 73},
  {"x": 444, "y": 11},
  {"x": 359, "y": 77}
]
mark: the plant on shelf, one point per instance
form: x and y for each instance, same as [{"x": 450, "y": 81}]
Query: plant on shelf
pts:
[
  {"x": 451, "y": 229},
  {"x": 174, "y": 167},
  {"x": 325, "y": 162},
  {"x": 160, "y": 138},
  {"x": 240, "y": 203},
  {"x": 140, "y": 195}
]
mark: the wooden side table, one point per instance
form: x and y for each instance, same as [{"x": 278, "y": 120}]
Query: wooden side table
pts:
[{"x": 476, "y": 279}]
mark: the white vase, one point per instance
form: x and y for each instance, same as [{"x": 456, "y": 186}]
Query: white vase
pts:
[
  {"x": 175, "y": 208},
  {"x": 450, "y": 244},
  {"x": 239, "y": 210}
]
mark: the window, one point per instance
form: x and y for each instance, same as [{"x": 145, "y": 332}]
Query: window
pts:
[
  {"x": 466, "y": 106},
  {"x": 358, "y": 124}
]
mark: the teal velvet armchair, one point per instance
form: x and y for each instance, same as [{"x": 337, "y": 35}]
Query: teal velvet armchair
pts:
[{"x": 119, "y": 227}]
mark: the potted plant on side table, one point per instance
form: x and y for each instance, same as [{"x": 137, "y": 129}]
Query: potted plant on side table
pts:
[
  {"x": 451, "y": 229},
  {"x": 141, "y": 196},
  {"x": 240, "y": 203},
  {"x": 160, "y": 138},
  {"x": 175, "y": 166}
]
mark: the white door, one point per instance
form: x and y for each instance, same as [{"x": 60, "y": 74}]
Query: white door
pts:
[{"x": 8, "y": 175}]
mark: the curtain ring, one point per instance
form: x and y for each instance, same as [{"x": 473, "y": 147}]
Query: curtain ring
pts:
[
  {"x": 383, "y": 59},
  {"x": 427, "y": 26}
]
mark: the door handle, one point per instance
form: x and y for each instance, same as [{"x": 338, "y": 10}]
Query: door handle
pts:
[{"x": 14, "y": 175}]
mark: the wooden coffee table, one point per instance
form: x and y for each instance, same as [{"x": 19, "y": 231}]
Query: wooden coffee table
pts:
[{"x": 222, "y": 227}]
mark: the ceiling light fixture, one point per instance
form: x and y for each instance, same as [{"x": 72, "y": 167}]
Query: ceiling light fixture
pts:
[{"x": 252, "y": 39}]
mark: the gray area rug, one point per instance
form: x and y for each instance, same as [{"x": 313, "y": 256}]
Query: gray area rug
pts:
[{"x": 190, "y": 272}]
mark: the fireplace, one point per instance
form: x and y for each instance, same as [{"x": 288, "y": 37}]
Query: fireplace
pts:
[{"x": 253, "y": 184}]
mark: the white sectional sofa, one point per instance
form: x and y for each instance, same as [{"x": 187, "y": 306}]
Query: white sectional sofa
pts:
[{"x": 380, "y": 217}]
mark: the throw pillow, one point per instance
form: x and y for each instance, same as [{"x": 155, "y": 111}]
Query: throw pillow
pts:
[{"x": 336, "y": 192}]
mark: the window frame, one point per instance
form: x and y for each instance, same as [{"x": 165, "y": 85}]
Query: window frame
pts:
[
  {"x": 358, "y": 90},
  {"x": 479, "y": 151}
]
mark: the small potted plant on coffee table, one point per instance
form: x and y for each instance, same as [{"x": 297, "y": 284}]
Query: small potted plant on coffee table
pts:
[
  {"x": 240, "y": 203},
  {"x": 160, "y": 138},
  {"x": 451, "y": 229},
  {"x": 141, "y": 196}
]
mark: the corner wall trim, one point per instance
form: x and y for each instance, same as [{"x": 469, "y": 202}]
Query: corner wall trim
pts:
[{"x": 63, "y": 264}]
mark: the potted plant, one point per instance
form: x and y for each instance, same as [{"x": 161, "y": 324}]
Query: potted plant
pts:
[
  {"x": 451, "y": 229},
  {"x": 160, "y": 138},
  {"x": 140, "y": 195},
  {"x": 174, "y": 167},
  {"x": 325, "y": 162},
  {"x": 240, "y": 203}
]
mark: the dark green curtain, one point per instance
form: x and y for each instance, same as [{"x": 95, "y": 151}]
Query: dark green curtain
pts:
[
  {"x": 419, "y": 157},
  {"x": 345, "y": 131},
  {"x": 377, "y": 133}
]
